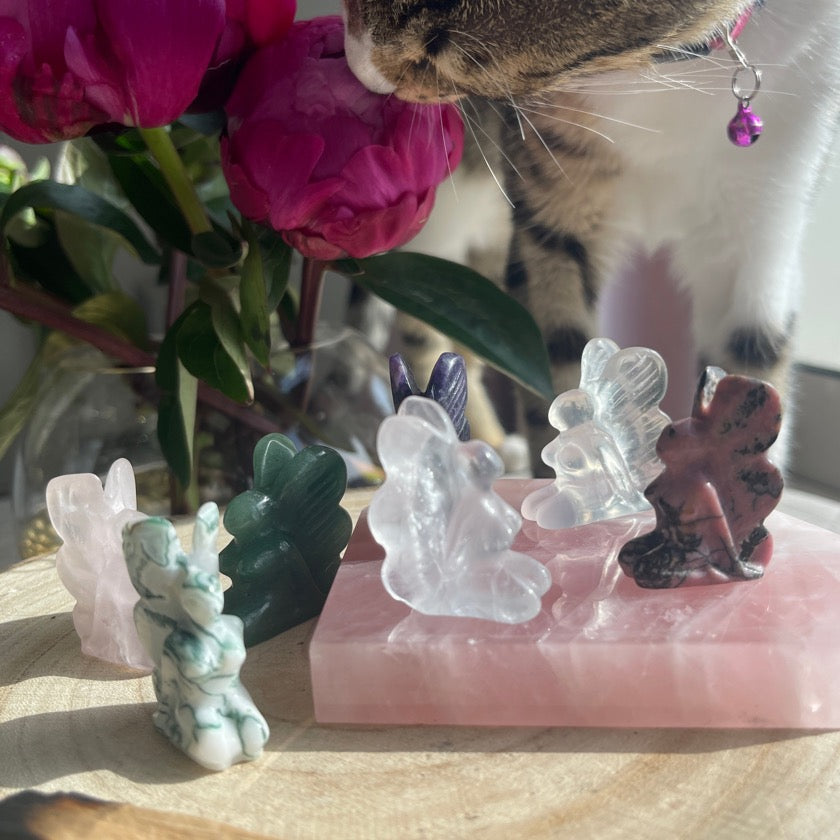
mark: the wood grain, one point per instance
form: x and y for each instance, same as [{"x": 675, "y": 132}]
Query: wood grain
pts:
[{"x": 71, "y": 723}]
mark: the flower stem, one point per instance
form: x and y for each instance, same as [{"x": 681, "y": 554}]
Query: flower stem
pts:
[
  {"x": 34, "y": 305},
  {"x": 160, "y": 145},
  {"x": 311, "y": 287}
]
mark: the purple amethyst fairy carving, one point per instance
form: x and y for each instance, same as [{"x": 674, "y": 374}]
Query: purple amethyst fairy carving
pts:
[
  {"x": 447, "y": 386},
  {"x": 716, "y": 490}
]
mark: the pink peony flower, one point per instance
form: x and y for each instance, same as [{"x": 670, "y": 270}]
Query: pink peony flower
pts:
[
  {"x": 66, "y": 67},
  {"x": 338, "y": 169},
  {"x": 249, "y": 24},
  {"x": 252, "y": 23}
]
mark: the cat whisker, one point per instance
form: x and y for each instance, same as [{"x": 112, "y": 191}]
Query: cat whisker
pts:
[
  {"x": 720, "y": 71},
  {"x": 691, "y": 55},
  {"x": 399, "y": 80},
  {"x": 411, "y": 124},
  {"x": 648, "y": 82},
  {"x": 625, "y": 85},
  {"x": 555, "y": 118},
  {"x": 492, "y": 53},
  {"x": 513, "y": 104},
  {"x": 443, "y": 137},
  {"x": 662, "y": 87},
  {"x": 728, "y": 89},
  {"x": 469, "y": 123},
  {"x": 539, "y": 137},
  {"x": 682, "y": 81},
  {"x": 486, "y": 46},
  {"x": 477, "y": 123},
  {"x": 415, "y": 111},
  {"x": 519, "y": 121},
  {"x": 594, "y": 114},
  {"x": 467, "y": 55},
  {"x": 605, "y": 80},
  {"x": 709, "y": 83},
  {"x": 674, "y": 83}
]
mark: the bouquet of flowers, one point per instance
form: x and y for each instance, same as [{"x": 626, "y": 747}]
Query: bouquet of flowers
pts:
[{"x": 211, "y": 140}]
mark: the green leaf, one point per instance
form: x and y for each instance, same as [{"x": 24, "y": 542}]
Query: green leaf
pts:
[
  {"x": 117, "y": 313},
  {"x": 83, "y": 162},
  {"x": 49, "y": 195},
  {"x": 277, "y": 260},
  {"x": 89, "y": 248},
  {"x": 124, "y": 141},
  {"x": 253, "y": 300},
  {"x": 176, "y": 410},
  {"x": 210, "y": 347},
  {"x": 463, "y": 305},
  {"x": 228, "y": 328},
  {"x": 147, "y": 191},
  {"x": 47, "y": 265},
  {"x": 216, "y": 248},
  {"x": 12, "y": 171}
]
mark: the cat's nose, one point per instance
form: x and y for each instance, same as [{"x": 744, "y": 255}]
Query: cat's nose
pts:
[
  {"x": 436, "y": 41},
  {"x": 359, "y": 50}
]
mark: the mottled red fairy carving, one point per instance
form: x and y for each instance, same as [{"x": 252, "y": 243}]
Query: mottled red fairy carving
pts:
[{"x": 716, "y": 490}]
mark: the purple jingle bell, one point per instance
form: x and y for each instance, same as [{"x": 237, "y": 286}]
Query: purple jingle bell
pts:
[{"x": 745, "y": 127}]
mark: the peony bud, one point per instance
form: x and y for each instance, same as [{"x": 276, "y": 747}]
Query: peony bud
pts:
[
  {"x": 338, "y": 169},
  {"x": 67, "y": 67}
]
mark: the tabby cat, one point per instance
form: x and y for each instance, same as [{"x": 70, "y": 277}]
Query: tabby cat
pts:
[{"x": 612, "y": 120}]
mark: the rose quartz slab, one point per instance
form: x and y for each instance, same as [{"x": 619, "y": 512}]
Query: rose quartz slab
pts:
[{"x": 602, "y": 652}]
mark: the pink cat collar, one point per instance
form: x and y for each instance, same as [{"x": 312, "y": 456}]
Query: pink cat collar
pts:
[
  {"x": 689, "y": 51},
  {"x": 719, "y": 43}
]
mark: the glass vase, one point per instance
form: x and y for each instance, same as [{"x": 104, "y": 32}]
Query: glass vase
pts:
[
  {"x": 88, "y": 412},
  {"x": 335, "y": 391}
]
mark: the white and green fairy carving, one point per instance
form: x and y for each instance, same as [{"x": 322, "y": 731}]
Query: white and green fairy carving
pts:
[{"x": 197, "y": 652}]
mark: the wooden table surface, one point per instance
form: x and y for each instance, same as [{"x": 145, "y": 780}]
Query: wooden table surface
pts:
[{"x": 71, "y": 723}]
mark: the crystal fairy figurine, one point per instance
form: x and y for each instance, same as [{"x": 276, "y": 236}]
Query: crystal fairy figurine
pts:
[
  {"x": 288, "y": 535},
  {"x": 605, "y": 453},
  {"x": 203, "y": 708},
  {"x": 447, "y": 386},
  {"x": 90, "y": 520},
  {"x": 716, "y": 490},
  {"x": 446, "y": 533}
]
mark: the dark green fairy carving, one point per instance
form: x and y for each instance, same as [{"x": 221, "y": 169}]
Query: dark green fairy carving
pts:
[{"x": 289, "y": 532}]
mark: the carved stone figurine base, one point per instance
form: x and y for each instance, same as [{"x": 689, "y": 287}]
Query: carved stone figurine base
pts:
[{"x": 602, "y": 652}]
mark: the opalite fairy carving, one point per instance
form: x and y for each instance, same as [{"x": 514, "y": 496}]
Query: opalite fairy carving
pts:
[
  {"x": 90, "y": 520},
  {"x": 716, "y": 490},
  {"x": 605, "y": 453},
  {"x": 447, "y": 386},
  {"x": 203, "y": 708},
  {"x": 446, "y": 534}
]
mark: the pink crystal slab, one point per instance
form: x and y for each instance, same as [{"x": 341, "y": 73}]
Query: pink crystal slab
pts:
[{"x": 603, "y": 651}]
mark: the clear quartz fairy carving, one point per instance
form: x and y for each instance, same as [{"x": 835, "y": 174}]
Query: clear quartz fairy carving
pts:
[
  {"x": 446, "y": 534},
  {"x": 90, "y": 520},
  {"x": 203, "y": 708},
  {"x": 605, "y": 453}
]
